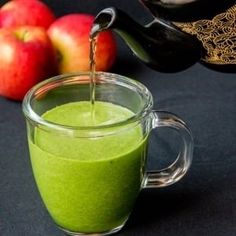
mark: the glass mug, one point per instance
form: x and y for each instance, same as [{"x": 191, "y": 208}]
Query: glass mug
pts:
[{"x": 89, "y": 161}]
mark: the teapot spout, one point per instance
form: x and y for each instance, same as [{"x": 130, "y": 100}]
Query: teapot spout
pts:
[{"x": 160, "y": 45}]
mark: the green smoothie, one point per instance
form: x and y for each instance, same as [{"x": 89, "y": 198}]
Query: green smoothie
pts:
[{"x": 89, "y": 184}]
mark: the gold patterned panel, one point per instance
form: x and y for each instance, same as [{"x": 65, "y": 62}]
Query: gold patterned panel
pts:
[{"x": 217, "y": 35}]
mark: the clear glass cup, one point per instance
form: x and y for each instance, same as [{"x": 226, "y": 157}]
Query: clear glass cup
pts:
[{"x": 89, "y": 176}]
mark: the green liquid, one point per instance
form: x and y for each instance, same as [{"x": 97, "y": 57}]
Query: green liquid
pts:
[{"x": 89, "y": 184}]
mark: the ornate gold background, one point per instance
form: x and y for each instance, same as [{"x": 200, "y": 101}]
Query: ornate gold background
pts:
[{"x": 218, "y": 36}]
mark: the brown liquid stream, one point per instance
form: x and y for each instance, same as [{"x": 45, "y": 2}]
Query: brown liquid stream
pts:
[
  {"x": 93, "y": 44},
  {"x": 96, "y": 28}
]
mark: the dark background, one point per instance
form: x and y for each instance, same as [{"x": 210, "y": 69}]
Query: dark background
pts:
[{"x": 203, "y": 203}]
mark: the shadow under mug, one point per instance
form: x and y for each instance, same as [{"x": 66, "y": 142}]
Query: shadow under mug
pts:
[{"x": 90, "y": 176}]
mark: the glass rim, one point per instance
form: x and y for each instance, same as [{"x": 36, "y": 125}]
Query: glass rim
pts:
[{"x": 31, "y": 115}]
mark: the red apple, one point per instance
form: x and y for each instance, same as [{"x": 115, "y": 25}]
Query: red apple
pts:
[
  {"x": 26, "y": 12},
  {"x": 70, "y": 36},
  {"x": 27, "y": 57}
]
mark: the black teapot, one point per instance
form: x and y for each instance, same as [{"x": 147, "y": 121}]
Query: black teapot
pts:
[{"x": 162, "y": 44}]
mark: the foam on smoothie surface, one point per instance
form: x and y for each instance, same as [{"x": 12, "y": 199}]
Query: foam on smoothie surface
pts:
[{"x": 79, "y": 114}]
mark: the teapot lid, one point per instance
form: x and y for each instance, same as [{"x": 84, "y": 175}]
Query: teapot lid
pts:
[{"x": 187, "y": 10}]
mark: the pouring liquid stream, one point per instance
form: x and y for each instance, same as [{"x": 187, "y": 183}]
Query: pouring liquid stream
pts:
[
  {"x": 93, "y": 44},
  {"x": 96, "y": 28}
]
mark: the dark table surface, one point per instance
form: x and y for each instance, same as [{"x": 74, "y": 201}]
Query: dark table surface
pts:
[{"x": 203, "y": 203}]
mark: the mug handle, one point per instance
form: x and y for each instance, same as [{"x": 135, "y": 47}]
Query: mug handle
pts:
[{"x": 175, "y": 171}]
